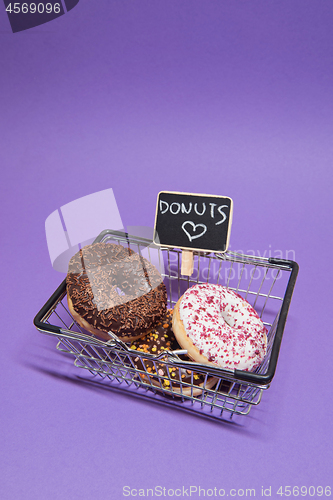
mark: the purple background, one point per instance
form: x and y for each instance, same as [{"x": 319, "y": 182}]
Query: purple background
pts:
[{"x": 221, "y": 97}]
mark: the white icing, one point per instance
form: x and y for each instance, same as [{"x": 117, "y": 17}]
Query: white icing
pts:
[{"x": 223, "y": 326}]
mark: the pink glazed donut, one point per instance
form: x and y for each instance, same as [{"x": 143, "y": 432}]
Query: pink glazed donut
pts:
[{"x": 217, "y": 326}]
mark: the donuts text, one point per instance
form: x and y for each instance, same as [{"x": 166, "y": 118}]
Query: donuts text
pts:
[{"x": 198, "y": 208}]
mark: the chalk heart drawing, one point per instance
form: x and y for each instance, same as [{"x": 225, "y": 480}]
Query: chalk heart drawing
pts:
[{"x": 195, "y": 227}]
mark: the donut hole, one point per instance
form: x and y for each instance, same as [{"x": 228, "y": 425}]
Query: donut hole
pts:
[{"x": 225, "y": 318}]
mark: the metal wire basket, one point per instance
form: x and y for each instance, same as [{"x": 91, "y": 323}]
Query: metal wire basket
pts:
[{"x": 266, "y": 283}]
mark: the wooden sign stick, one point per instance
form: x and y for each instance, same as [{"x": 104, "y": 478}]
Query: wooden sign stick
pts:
[{"x": 187, "y": 263}]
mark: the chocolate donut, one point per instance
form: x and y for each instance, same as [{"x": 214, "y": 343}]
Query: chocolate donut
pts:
[
  {"x": 164, "y": 377},
  {"x": 112, "y": 288}
]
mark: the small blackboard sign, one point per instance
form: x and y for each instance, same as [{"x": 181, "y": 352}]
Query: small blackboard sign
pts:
[{"x": 196, "y": 222}]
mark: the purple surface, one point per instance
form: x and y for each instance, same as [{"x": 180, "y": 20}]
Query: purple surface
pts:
[{"x": 218, "y": 97}]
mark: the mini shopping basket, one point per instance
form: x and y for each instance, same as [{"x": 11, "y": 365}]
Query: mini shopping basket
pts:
[{"x": 266, "y": 283}]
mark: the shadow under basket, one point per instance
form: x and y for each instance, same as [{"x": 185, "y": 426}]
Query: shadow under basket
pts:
[{"x": 266, "y": 283}]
